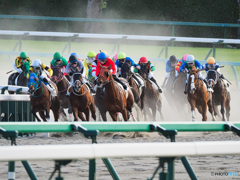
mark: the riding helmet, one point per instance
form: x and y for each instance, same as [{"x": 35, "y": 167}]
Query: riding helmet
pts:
[
  {"x": 143, "y": 60},
  {"x": 74, "y": 54},
  {"x": 102, "y": 56},
  {"x": 173, "y": 59},
  {"x": 121, "y": 55},
  {"x": 57, "y": 55},
  {"x": 72, "y": 59},
  {"x": 185, "y": 57},
  {"x": 91, "y": 54},
  {"x": 190, "y": 59},
  {"x": 23, "y": 55},
  {"x": 210, "y": 60}
]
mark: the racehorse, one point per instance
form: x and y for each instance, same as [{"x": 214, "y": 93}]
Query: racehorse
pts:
[
  {"x": 114, "y": 99},
  {"x": 81, "y": 99},
  {"x": 62, "y": 85},
  {"x": 153, "y": 99},
  {"x": 22, "y": 79},
  {"x": 220, "y": 95},
  {"x": 174, "y": 92},
  {"x": 198, "y": 96},
  {"x": 138, "y": 94},
  {"x": 40, "y": 99}
]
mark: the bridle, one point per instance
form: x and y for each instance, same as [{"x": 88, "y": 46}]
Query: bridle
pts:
[
  {"x": 212, "y": 80},
  {"x": 198, "y": 81},
  {"x": 36, "y": 86},
  {"x": 60, "y": 76},
  {"x": 82, "y": 84}
]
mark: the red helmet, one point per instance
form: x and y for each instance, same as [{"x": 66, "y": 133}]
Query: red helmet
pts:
[
  {"x": 143, "y": 60},
  {"x": 97, "y": 56}
]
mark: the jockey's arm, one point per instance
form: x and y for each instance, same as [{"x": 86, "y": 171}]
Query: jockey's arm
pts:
[
  {"x": 19, "y": 70},
  {"x": 50, "y": 72},
  {"x": 182, "y": 67},
  {"x": 114, "y": 70},
  {"x": 178, "y": 65},
  {"x": 152, "y": 67},
  {"x": 168, "y": 68},
  {"x": 64, "y": 61}
]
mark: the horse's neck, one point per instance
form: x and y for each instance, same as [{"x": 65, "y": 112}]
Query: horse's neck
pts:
[
  {"x": 131, "y": 81},
  {"x": 63, "y": 84},
  {"x": 111, "y": 88}
]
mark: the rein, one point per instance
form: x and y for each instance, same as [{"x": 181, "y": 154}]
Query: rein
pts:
[
  {"x": 196, "y": 85},
  {"x": 36, "y": 88},
  {"x": 106, "y": 82},
  {"x": 80, "y": 89}
]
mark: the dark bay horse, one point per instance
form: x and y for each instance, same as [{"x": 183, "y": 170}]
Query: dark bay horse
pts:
[
  {"x": 81, "y": 99},
  {"x": 62, "y": 85},
  {"x": 114, "y": 99},
  {"x": 138, "y": 94},
  {"x": 22, "y": 79},
  {"x": 153, "y": 99},
  {"x": 220, "y": 95},
  {"x": 198, "y": 96},
  {"x": 40, "y": 99}
]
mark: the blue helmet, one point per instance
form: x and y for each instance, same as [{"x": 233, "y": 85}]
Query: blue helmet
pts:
[
  {"x": 74, "y": 54},
  {"x": 102, "y": 56},
  {"x": 72, "y": 59}
]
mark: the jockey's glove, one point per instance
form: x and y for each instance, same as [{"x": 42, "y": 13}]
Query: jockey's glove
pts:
[
  {"x": 19, "y": 70},
  {"x": 70, "y": 73}
]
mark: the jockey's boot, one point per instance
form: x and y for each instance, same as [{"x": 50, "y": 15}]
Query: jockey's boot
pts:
[
  {"x": 102, "y": 91},
  {"x": 68, "y": 78},
  {"x": 51, "y": 89},
  {"x": 154, "y": 80},
  {"x": 119, "y": 81},
  {"x": 139, "y": 82},
  {"x": 185, "y": 91},
  {"x": 164, "y": 84},
  {"x": 13, "y": 78},
  {"x": 90, "y": 87}
]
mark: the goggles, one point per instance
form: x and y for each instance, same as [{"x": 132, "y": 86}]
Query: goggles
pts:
[
  {"x": 121, "y": 60},
  {"x": 102, "y": 60},
  {"x": 58, "y": 60},
  {"x": 74, "y": 62},
  {"x": 90, "y": 58},
  {"x": 190, "y": 63},
  {"x": 37, "y": 68}
]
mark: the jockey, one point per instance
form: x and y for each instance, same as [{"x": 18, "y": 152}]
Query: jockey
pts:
[
  {"x": 91, "y": 57},
  {"x": 94, "y": 66},
  {"x": 39, "y": 67},
  {"x": 105, "y": 61},
  {"x": 170, "y": 65},
  {"x": 122, "y": 59},
  {"x": 60, "y": 61},
  {"x": 72, "y": 66},
  {"x": 211, "y": 64},
  {"x": 143, "y": 60},
  {"x": 18, "y": 64},
  {"x": 115, "y": 57},
  {"x": 188, "y": 64},
  {"x": 181, "y": 61}
]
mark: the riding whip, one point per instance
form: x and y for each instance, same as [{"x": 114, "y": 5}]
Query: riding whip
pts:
[
  {"x": 9, "y": 71},
  {"x": 228, "y": 81}
]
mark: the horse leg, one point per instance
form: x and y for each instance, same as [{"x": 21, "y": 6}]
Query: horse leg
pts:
[
  {"x": 124, "y": 114},
  {"x": 35, "y": 114},
  {"x": 93, "y": 110},
  {"x": 154, "y": 110},
  {"x": 113, "y": 115},
  {"x": 222, "y": 109},
  {"x": 210, "y": 109},
  {"x": 42, "y": 115},
  {"x": 204, "y": 112},
  {"x": 192, "y": 104},
  {"x": 87, "y": 113},
  {"x": 159, "y": 105},
  {"x": 80, "y": 115},
  {"x": 75, "y": 113},
  {"x": 228, "y": 108},
  {"x": 103, "y": 114},
  {"x": 47, "y": 115},
  {"x": 139, "y": 113}
]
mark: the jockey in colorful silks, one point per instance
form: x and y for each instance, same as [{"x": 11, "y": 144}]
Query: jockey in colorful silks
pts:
[
  {"x": 39, "y": 67},
  {"x": 151, "y": 68},
  {"x": 18, "y": 64},
  {"x": 60, "y": 61},
  {"x": 188, "y": 64},
  {"x": 91, "y": 57},
  {"x": 73, "y": 65},
  {"x": 170, "y": 65},
  {"x": 122, "y": 59},
  {"x": 181, "y": 61},
  {"x": 105, "y": 61},
  {"x": 211, "y": 64}
]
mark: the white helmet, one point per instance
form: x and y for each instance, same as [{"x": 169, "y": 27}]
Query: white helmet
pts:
[
  {"x": 37, "y": 63},
  {"x": 190, "y": 59}
]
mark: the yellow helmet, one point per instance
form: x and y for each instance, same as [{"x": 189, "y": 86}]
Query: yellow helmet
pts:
[
  {"x": 104, "y": 52},
  {"x": 210, "y": 60}
]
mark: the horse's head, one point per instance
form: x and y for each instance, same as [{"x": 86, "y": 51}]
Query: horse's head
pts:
[
  {"x": 33, "y": 82},
  {"x": 126, "y": 70},
  {"x": 78, "y": 81},
  {"x": 143, "y": 71},
  {"x": 193, "y": 79},
  {"x": 212, "y": 77},
  {"x": 57, "y": 74},
  {"x": 105, "y": 75}
]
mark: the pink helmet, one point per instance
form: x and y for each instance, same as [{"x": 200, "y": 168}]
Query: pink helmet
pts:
[
  {"x": 185, "y": 57},
  {"x": 143, "y": 60},
  {"x": 116, "y": 56}
]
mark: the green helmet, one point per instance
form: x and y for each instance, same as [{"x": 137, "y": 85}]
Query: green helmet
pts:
[
  {"x": 57, "y": 55},
  {"x": 91, "y": 54},
  {"x": 23, "y": 55},
  {"x": 121, "y": 55}
]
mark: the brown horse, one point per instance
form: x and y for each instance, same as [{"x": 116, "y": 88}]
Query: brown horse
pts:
[
  {"x": 220, "y": 95},
  {"x": 40, "y": 99},
  {"x": 198, "y": 96},
  {"x": 138, "y": 94},
  {"x": 62, "y": 85},
  {"x": 114, "y": 99},
  {"x": 81, "y": 99},
  {"x": 153, "y": 99}
]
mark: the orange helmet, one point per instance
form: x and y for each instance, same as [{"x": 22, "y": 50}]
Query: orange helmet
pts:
[{"x": 210, "y": 60}]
